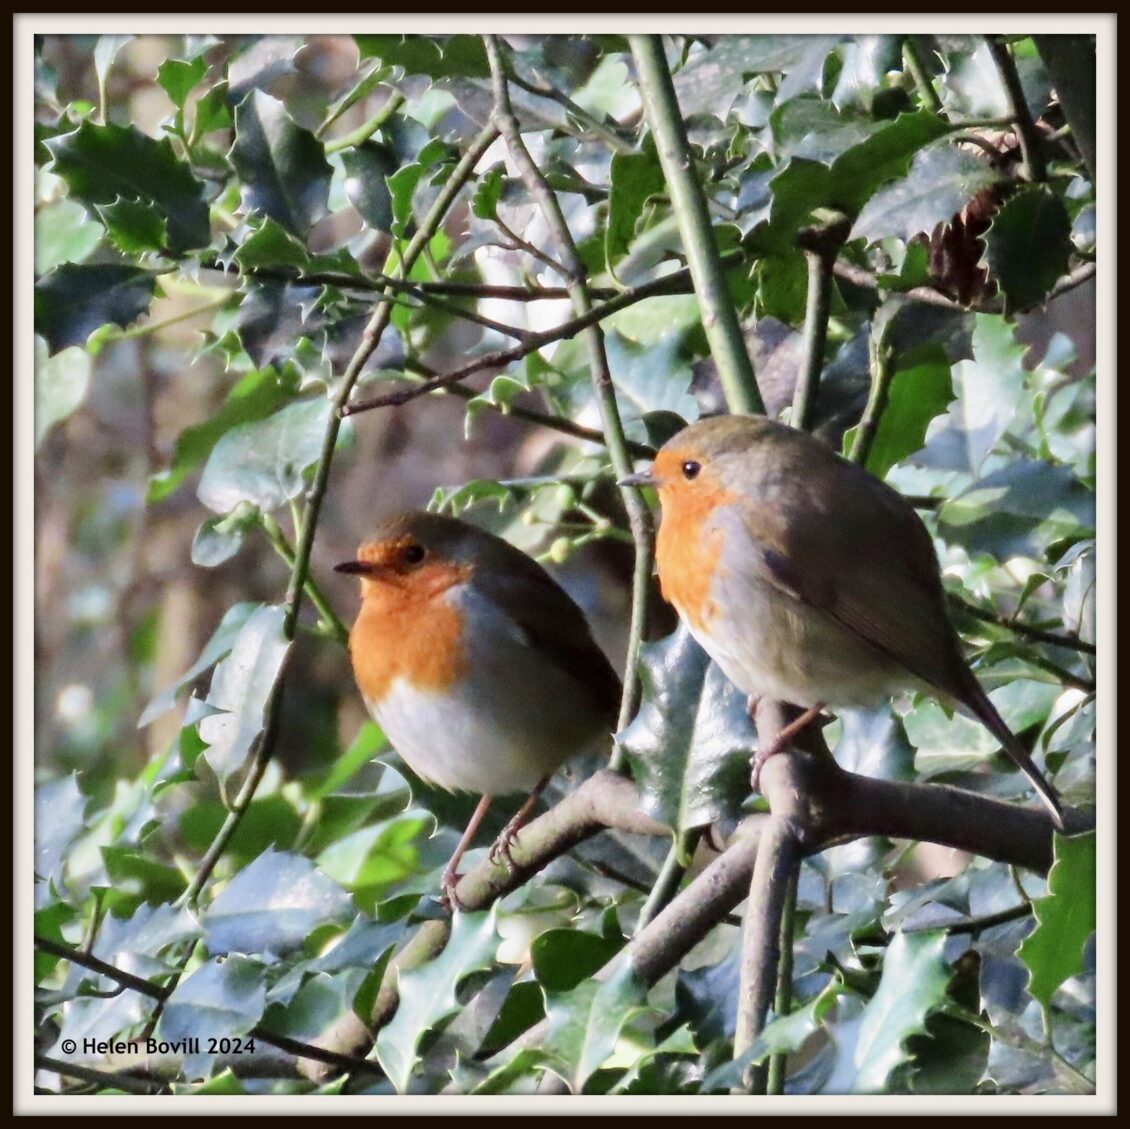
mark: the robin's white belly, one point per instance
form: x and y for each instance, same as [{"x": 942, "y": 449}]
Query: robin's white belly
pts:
[{"x": 513, "y": 719}]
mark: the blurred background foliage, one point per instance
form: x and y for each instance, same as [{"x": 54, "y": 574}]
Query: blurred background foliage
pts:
[{"x": 214, "y": 218}]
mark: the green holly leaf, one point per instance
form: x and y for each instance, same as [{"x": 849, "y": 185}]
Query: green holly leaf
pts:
[
  {"x": 103, "y": 164},
  {"x": 1028, "y": 246},
  {"x": 75, "y": 299},
  {"x": 1053, "y": 951}
]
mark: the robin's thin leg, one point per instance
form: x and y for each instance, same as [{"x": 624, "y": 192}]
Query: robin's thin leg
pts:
[
  {"x": 509, "y": 834},
  {"x": 449, "y": 878},
  {"x": 780, "y": 741}
]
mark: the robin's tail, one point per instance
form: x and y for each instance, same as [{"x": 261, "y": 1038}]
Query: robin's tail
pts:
[{"x": 977, "y": 700}]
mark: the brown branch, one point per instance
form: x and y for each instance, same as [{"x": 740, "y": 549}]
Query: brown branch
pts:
[{"x": 931, "y": 297}]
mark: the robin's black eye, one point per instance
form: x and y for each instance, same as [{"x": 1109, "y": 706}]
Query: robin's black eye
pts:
[
  {"x": 690, "y": 469},
  {"x": 413, "y": 554}
]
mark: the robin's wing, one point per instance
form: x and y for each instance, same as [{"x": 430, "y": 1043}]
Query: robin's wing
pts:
[
  {"x": 864, "y": 558},
  {"x": 550, "y": 621}
]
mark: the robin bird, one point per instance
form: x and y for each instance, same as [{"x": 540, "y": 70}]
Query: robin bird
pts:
[
  {"x": 807, "y": 579},
  {"x": 476, "y": 664}
]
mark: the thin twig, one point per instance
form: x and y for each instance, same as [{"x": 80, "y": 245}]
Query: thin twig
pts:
[
  {"x": 882, "y": 373},
  {"x": 1035, "y": 167},
  {"x": 501, "y": 358},
  {"x": 363, "y": 132},
  {"x": 857, "y": 276},
  {"x": 1037, "y": 634},
  {"x": 531, "y": 415},
  {"x": 103, "y": 1079},
  {"x": 670, "y": 876}
]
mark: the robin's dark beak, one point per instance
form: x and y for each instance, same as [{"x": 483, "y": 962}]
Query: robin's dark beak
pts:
[
  {"x": 641, "y": 478},
  {"x": 357, "y": 568}
]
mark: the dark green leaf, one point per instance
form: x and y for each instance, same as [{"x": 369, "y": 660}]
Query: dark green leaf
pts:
[
  {"x": 436, "y": 56},
  {"x": 103, "y": 164},
  {"x": 585, "y": 1023},
  {"x": 283, "y": 166},
  {"x": 134, "y": 226},
  {"x": 74, "y": 300},
  {"x": 1019, "y": 511},
  {"x": 488, "y": 192},
  {"x": 919, "y": 392},
  {"x": 137, "y": 877},
  {"x": 367, "y": 167},
  {"x": 272, "y": 906},
  {"x": 634, "y": 178},
  {"x": 691, "y": 741},
  {"x": 870, "y": 1048},
  {"x": 941, "y": 181},
  {"x": 270, "y": 245},
  {"x": 562, "y": 958},
  {"x": 1028, "y": 246},
  {"x": 265, "y": 462}
]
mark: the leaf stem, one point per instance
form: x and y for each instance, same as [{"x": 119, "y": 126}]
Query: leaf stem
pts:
[{"x": 363, "y": 132}]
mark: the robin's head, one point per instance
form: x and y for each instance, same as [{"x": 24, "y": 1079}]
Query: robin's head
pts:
[
  {"x": 414, "y": 556},
  {"x": 702, "y": 464}
]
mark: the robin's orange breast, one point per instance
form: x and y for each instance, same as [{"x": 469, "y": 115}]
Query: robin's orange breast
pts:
[
  {"x": 687, "y": 549},
  {"x": 407, "y": 630}
]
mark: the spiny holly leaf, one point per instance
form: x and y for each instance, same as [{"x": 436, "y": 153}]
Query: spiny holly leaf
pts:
[
  {"x": 585, "y": 1023},
  {"x": 885, "y": 154},
  {"x": 941, "y": 181},
  {"x": 241, "y": 685},
  {"x": 59, "y": 807},
  {"x": 283, "y": 167},
  {"x": 784, "y": 1034},
  {"x": 691, "y": 741},
  {"x": 134, "y": 226},
  {"x": 105, "y": 163},
  {"x": 562, "y": 958},
  {"x": 920, "y": 390},
  {"x": 272, "y": 906},
  {"x": 178, "y": 76},
  {"x": 224, "y": 998},
  {"x": 265, "y": 462},
  {"x": 1053, "y": 951},
  {"x": 449, "y": 56},
  {"x": 427, "y": 993},
  {"x": 75, "y": 299},
  {"x": 711, "y": 81},
  {"x": 1028, "y": 246},
  {"x": 271, "y": 245},
  {"x": 870, "y": 1048}
]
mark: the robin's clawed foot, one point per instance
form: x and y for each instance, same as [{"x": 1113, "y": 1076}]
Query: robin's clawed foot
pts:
[
  {"x": 501, "y": 847},
  {"x": 449, "y": 899}
]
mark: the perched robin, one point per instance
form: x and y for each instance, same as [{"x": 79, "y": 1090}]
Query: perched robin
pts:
[
  {"x": 807, "y": 579},
  {"x": 479, "y": 668}
]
